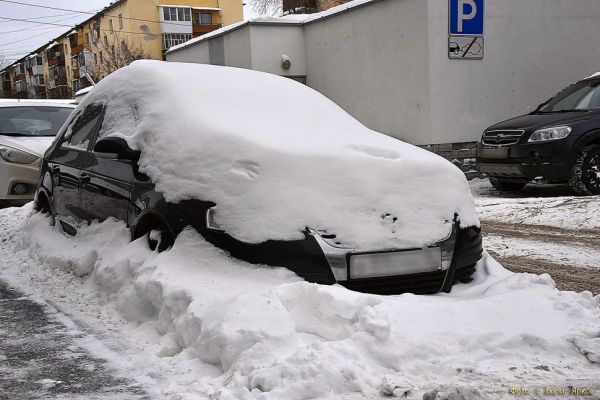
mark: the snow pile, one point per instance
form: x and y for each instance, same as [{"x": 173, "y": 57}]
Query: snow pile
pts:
[
  {"x": 273, "y": 336},
  {"x": 278, "y": 157}
]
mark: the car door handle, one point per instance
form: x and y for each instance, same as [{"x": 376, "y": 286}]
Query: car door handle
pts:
[{"x": 84, "y": 178}]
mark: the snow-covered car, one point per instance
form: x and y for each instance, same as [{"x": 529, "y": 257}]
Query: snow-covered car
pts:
[
  {"x": 27, "y": 128},
  {"x": 267, "y": 169}
]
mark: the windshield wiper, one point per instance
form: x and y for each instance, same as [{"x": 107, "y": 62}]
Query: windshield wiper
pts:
[{"x": 559, "y": 111}]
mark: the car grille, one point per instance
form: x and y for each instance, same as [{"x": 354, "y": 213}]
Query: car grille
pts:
[
  {"x": 423, "y": 283},
  {"x": 502, "y": 138}
]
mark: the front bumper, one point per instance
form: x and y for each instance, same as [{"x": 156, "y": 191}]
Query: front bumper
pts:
[
  {"x": 13, "y": 174},
  {"x": 525, "y": 161},
  {"x": 466, "y": 245}
]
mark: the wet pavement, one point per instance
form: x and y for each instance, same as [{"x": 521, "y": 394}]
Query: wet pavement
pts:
[{"x": 41, "y": 359}]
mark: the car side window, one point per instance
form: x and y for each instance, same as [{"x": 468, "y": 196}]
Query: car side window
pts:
[{"x": 81, "y": 131}]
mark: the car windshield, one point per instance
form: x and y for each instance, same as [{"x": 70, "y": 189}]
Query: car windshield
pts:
[
  {"x": 32, "y": 120},
  {"x": 581, "y": 97}
]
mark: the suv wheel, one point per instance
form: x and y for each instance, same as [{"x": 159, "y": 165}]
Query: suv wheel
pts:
[
  {"x": 507, "y": 186},
  {"x": 584, "y": 178}
]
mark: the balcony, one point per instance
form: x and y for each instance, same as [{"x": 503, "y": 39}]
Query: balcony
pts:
[
  {"x": 201, "y": 29},
  {"x": 78, "y": 49}
]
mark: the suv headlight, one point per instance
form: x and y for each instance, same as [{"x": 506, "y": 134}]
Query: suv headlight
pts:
[
  {"x": 16, "y": 156},
  {"x": 547, "y": 134}
]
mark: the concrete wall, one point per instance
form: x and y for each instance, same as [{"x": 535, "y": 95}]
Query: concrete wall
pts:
[
  {"x": 198, "y": 53},
  {"x": 533, "y": 48},
  {"x": 269, "y": 43},
  {"x": 372, "y": 61}
]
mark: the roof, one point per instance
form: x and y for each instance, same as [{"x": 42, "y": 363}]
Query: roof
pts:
[{"x": 292, "y": 19}]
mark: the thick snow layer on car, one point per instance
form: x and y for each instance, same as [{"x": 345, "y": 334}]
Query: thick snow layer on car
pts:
[
  {"x": 278, "y": 157},
  {"x": 251, "y": 332}
]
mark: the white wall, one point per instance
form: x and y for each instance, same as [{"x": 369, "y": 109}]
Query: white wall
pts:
[
  {"x": 372, "y": 61},
  {"x": 237, "y": 48},
  {"x": 198, "y": 53},
  {"x": 270, "y": 42},
  {"x": 533, "y": 49}
]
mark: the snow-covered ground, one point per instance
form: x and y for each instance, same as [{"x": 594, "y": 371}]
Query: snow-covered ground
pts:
[
  {"x": 542, "y": 223},
  {"x": 192, "y": 323}
]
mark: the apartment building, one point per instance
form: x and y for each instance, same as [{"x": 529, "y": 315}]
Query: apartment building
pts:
[{"x": 124, "y": 31}]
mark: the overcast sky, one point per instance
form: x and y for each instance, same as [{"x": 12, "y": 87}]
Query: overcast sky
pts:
[{"x": 19, "y": 38}]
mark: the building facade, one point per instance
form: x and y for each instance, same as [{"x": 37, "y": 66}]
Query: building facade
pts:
[
  {"x": 122, "y": 32},
  {"x": 387, "y": 62}
]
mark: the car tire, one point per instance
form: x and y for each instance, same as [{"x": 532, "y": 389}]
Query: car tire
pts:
[
  {"x": 505, "y": 186},
  {"x": 43, "y": 206},
  {"x": 584, "y": 177},
  {"x": 159, "y": 238}
]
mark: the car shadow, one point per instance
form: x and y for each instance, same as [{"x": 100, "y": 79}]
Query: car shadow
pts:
[{"x": 483, "y": 188}]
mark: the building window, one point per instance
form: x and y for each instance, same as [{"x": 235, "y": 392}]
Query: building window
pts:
[
  {"x": 105, "y": 42},
  {"x": 110, "y": 26},
  {"x": 173, "y": 39},
  {"x": 203, "y": 18},
  {"x": 112, "y": 49},
  {"x": 177, "y": 14},
  {"x": 120, "y": 21},
  {"x": 95, "y": 58},
  {"x": 101, "y": 58},
  {"x": 87, "y": 38},
  {"x": 39, "y": 61}
]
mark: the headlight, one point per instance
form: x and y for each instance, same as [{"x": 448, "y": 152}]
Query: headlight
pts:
[
  {"x": 546, "y": 134},
  {"x": 211, "y": 222},
  {"x": 16, "y": 156}
]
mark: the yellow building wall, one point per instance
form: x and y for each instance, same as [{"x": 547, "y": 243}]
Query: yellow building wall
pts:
[{"x": 233, "y": 11}]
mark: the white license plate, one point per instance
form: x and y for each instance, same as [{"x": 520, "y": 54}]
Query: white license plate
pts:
[{"x": 374, "y": 265}]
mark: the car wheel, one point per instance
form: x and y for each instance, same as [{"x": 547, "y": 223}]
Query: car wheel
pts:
[
  {"x": 159, "y": 238},
  {"x": 506, "y": 186},
  {"x": 42, "y": 205},
  {"x": 584, "y": 178}
]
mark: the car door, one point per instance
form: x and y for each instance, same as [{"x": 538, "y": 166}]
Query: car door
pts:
[
  {"x": 67, "y": 160},
  {"x": 105, "y": 187}
]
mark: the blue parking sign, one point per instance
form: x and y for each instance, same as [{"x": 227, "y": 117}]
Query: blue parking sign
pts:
[{"x": 466, "y": 17}]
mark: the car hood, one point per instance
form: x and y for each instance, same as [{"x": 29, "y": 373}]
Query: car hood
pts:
[
  {"x": 537, "y": 121},
  {"x": 33, "y": 145}
]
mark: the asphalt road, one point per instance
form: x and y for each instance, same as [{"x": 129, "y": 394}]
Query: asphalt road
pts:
[{"x": 40, "y": 357}]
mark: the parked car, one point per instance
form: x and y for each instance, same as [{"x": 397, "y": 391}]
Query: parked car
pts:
[
  {"x": 27, "y": 128},
  {"x": 266, "y": 169},
  {"x": 559, "y": 142}
]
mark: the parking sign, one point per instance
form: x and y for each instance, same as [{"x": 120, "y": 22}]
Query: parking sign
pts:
[{"x": 466, "y": 17}]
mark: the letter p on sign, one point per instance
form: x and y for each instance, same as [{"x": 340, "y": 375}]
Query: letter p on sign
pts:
[{"x": 466, "y": 17}]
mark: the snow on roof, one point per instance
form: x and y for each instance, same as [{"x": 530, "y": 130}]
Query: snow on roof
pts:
[
  {"x": 287, "y": 19},
  {"x": 55, "y": 43},
  {"x": 277, "y": 157},
  {"x": 83, "y": 91}
]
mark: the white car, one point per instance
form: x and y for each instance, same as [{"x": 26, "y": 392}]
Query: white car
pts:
[{"x": 27, "y": 128}]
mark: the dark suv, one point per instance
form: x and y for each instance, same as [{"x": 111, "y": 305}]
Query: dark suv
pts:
[{"x": 559, "y": 142}]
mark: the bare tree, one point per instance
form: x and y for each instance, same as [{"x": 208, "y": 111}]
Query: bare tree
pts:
[
  {"x": 118, "y": 55},
  {"x": 268, "y": 7},
  {"x": 3, "y": 62}
]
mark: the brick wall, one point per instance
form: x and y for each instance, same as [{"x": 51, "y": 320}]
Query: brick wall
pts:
[
  {"x": 461, "y": 154},
  {"x": 323, "y": 5}
]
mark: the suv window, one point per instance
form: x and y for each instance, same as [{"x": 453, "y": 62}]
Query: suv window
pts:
[{"x": 81, "y": 131}]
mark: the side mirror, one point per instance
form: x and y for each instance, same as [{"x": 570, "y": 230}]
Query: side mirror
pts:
[{"x": 115, "y": 148}]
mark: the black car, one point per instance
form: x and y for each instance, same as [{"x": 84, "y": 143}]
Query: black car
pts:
[
  {"x": 559, "y": 142},
  {"x": 87, "y": 175}
]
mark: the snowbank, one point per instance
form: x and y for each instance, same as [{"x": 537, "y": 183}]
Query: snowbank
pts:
[
  {"x": 277, "y": 157},
  {"x": 273, "y": 336}
]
